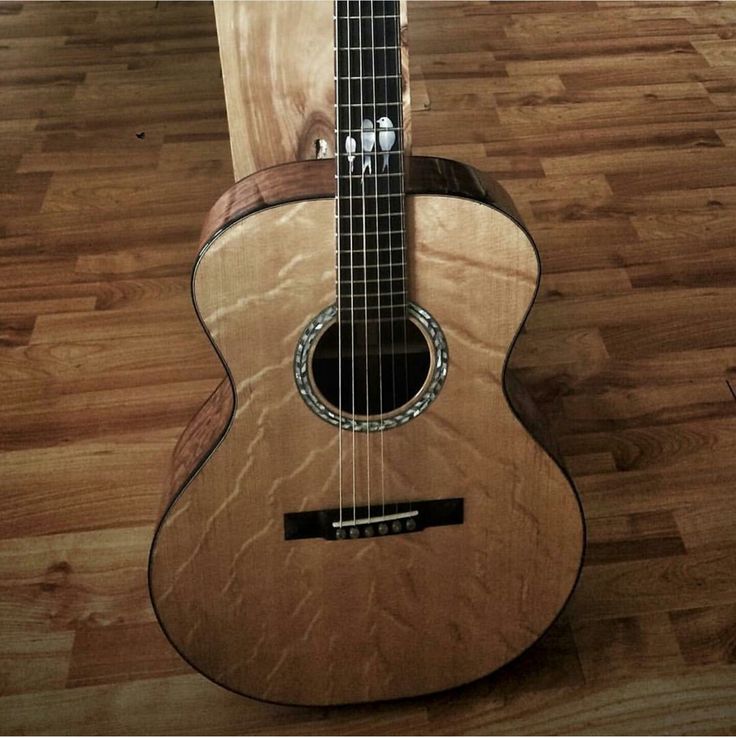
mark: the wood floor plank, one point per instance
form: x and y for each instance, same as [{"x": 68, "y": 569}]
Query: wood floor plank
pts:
[
  {"x": 624, "y": 589},
  {"x": 72, "y": 581},
  {"x": 710, "y": 524},
  {"x": 34, "y": 662},
  {"x": 171, "y": 705},
  {"x": 104, "y": 655},
  {"x": 108, "y": 482},
  {"x": 706, "y": 635},
  {"x": 703, "y": 700},
  {"x": 625, "y": 648}
]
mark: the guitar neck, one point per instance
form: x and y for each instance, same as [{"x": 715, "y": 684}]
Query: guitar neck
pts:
[{"x": 369, "y": 146}]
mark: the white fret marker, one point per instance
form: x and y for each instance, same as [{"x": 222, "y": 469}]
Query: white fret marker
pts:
[
  {"x": 350, "y": 146},
  {"x": 386, "y": 139},
  {"x": 368, "y": 139}
]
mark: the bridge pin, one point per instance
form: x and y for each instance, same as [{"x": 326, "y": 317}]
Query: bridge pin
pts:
[
  {"x": 341, "y": 534},
  {"x": 382, "y": 529},
  {"x": 355, "y": 532},
  {"x": 411, "y": 524},
  {"x": 396, "y": 526},
  {"x": 368, "y": 531}
]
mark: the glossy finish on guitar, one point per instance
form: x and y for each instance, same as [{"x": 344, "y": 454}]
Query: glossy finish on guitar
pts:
[{"x": 329, "y": 622}]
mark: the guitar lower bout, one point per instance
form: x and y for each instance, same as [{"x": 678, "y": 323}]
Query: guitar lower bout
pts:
[{"x": 326, "y": 551}]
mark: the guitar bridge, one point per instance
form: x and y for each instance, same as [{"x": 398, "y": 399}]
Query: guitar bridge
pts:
[{"x": 376, "y": 521}]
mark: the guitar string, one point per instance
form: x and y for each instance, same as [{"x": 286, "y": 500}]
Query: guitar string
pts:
[
  {"x": 387, "y": 69},
  {"x": 390, "y": 240},
  {"x": 352, "y": 262},
  {"x": 402, "y": 229},
  {"x": 389, "y": 229},
  {"x": 374, "y": 153},
  {"x": 338, "y": 238},
  {"x": 363, "y": 204},
  {"x": 402, "y": 198},
  {"x": 378, "y": 262}
]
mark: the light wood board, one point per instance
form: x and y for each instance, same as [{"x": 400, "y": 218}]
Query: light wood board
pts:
[{"x": 278, "y": 70}]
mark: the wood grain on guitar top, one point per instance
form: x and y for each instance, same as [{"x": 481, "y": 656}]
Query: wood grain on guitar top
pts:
[{"x": 322, "y": 622}]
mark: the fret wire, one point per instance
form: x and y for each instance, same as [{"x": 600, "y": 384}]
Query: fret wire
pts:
[
  {"x": 388, "y": 214},
  {"x": 380, "y": 264},
  {"x": 396, "y": 105},
  {"x": 393, "y": 319},
  {"x": 383, "y": 309},
  {"x": 372, "y": 267},
  {"x": 379, "y": 308},
  {"x": 365, "y": 17},
  {"x": 347, "y": 216},
  {"x": 393, "y": 231},
  {"x": 356, "y": 130},
  {"x": 371, "y": 270},
  {"x": 371, "y": 76},
  {"x": 381, "y": 250},
  {"x": 370, "y": 276},
  {"x": 365, "y": 48},
  {"x": 372, "y": 195},
  {"x": 372, "y": 214},
  {"x": 377, "y": 228},
  {"x": 344, "y": 245},
  {"x": 379, "y": 279},
  {"x": 360, "y": 287},
  {"x": 374, "y": 233},
  {"x": 360, "y": 215},
  {"x": 363, "y": 270},
  {"x": 379, "y": 175},
  {"x": 364, "y": 283},
  {"x": 395, "y": 307},
  {"x": 371, "y": 281}
]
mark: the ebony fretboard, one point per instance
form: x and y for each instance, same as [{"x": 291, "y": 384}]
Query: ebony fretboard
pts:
[{"x": 371, "y": 247}]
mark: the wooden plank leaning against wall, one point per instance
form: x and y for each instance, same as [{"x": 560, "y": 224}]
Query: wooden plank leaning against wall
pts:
[{"x": 277, "y": 68}]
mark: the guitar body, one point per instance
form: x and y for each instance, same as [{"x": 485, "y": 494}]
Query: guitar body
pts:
[{"x": 322, "y": 622}]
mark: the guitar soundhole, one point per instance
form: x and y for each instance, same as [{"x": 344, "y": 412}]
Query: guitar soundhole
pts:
[{"x": 384, "y": 366}]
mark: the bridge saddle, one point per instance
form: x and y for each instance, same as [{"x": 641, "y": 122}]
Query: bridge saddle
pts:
[{"x": 374, "y": 522}]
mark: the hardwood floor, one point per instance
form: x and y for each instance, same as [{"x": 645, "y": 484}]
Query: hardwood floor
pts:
[{"x": 614, "y": 127}]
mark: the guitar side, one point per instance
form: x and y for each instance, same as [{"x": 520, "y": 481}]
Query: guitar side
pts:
[{"x": 325, "y": 622}]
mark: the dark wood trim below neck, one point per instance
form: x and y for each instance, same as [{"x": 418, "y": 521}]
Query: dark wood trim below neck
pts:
[{"x": 306, "y": 180}]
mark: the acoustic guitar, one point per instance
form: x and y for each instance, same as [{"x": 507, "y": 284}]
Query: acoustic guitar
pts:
[{"x": 374, "y": 520}]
